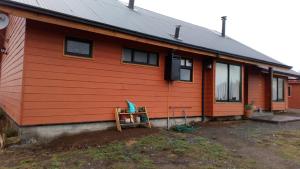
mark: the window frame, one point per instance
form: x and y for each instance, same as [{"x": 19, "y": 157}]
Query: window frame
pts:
[
  {"x": 132, "y": 51},
  {"x": 289, "y": 91},
  {"x": 191, "y": 68},
  {"x": 283, "y": 88},
  {"x": 228, "y": 86},
  {"x": 88, "y": 56}
]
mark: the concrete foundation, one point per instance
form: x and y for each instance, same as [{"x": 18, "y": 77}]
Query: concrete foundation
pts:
[
  {"x": 294, "y": 110},
  {"x": 47, "y": 133}
]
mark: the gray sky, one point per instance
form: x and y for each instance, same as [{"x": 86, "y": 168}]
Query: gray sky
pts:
[{"x": 269, "y": 26}]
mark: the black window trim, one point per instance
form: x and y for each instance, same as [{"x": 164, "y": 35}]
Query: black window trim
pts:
[
  {"x": 132, "y": 51},
  {"x": 90, "y": 42},
  {"x": 283, "y": 92},
  {"x": 228, "y": 79},
  {"x": 289, "y": 91},
  {"x": 191, "y": 68}
]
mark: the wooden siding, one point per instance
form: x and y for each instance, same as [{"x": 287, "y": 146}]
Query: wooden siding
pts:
[
  {"x": 294, "y": 99},
  {"x": 227, "y": 108},
  {"x": 62, "y": 89},
  {"x": 257, "y": 87},
  {"x": 12, "y": 68}
]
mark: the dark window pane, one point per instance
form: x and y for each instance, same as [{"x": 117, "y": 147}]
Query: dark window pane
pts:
[
  {"x": 290, "y": 91},
  {"x": 185, "y": 74},
  {"x": 78, "y": 47},
  {"x": 234, "y": 82},
  {"x": 274, "y": 89},
  {"x": 127, "y": 55},
  {"x": 221, "y": 82},
  {"x": 189, "y": 63},
  {"x": 140, "y": 57},
  {"x": 153, "y": 59},
  {"x": 280, "y": 89}
]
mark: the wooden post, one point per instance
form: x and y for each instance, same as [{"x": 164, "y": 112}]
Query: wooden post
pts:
[
  {"x": 2, "y": 140},
  {"x": 271, "y": 88}
]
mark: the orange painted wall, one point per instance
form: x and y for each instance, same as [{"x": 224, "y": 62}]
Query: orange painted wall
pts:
[
  {"x": 294, "y": 99},
  {"x": 12, "y": 68},
  {"x": 257, "y": 88},
  {"x": 62, "y": 89},
  {"x": 259, "y": 91},
  {"x": 226, "y": 108}
]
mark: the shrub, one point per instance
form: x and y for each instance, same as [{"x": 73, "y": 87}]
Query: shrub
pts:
[
  {"x": 248, "y": 106},
  {"x": 2, "y": 114},
  {"x": 10, "y": 132}
]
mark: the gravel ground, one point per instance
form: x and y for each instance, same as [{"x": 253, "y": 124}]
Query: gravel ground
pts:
[{"x": 254, "y": 140}]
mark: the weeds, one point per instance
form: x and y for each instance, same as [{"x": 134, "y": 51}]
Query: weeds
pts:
[{"x": 2, "y": 114}]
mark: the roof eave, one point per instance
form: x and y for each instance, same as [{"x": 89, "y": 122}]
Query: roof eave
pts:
[{"x": 130, "y": 32}]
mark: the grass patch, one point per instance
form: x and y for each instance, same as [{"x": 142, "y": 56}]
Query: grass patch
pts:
[{"x": 150, "y": 151}]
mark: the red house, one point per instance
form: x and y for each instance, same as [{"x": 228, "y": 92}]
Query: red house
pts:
[
  {"x": 294, "y": 94},
  {"x": 65, "y": 66}
]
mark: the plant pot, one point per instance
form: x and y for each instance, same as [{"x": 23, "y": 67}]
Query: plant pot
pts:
[{"x": 248, "y": 113}]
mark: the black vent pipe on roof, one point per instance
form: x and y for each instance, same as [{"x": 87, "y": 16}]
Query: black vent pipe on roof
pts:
[
  {"x": 224, "y": 18},
  {"x": 177, "y": 31},
  {"x": 131, "y": 4}
]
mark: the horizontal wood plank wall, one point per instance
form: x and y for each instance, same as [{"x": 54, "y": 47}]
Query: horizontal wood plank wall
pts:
[
  {"x": 257, "y": 88},
  {"x": 227, "y": 108},
  {"x": 282, "y": 106},
  {"x": 61, "y": 89},
  {"x": 294, "y": 99},
  {"x": 12, "y": 68}
]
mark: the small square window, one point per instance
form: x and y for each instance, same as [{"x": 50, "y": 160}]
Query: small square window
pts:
[
  {"x": 189, "y": 63},
  {"x": 153, "y": 59},
  {"x": 182, "y": 62},
  {"x": 140, "y": 57},
  {"x": 289, "y": 91},
  {"x": 127, "y": 55},
  {"x": 185, "y": 75},
  {"x": 186, "y": 69},
  {"x": 77, "y": 47}
]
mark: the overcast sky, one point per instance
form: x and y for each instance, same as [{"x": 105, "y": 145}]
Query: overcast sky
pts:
[{"x": 269, "y": 26}]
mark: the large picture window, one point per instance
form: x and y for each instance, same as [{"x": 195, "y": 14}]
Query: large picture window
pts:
[
  {"x": 277, "y": 89},
  {"x": 186, "y": 69},
  {"x": 140, "y": 57},
  {"x": 228, "y": 82}
]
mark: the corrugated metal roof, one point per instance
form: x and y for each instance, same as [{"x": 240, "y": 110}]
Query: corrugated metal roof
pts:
[{"x": 117, "y": 14}]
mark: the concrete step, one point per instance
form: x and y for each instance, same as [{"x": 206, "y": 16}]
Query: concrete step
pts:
[{"x": 259, "y": 114}]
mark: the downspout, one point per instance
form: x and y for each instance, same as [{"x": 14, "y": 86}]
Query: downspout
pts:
[{"x": 203, "y": 91}]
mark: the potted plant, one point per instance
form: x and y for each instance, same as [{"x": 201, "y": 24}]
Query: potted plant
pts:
[{"x": 248, "y": 110}]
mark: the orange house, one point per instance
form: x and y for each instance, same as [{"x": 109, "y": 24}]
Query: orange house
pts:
[
  {"x": 65, "y": 66},
  {"x": 294, "y": 94}
]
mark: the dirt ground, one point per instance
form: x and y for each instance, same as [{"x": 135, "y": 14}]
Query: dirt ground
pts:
[
  {"x": 214, "y": 145},
  {"x": 271, "y": 146},
  {"x": 99, "y": 138}
]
